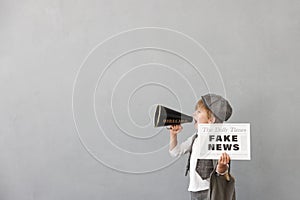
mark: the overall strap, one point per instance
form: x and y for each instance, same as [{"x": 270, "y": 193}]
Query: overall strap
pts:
[{"x": 189, "y": 159}]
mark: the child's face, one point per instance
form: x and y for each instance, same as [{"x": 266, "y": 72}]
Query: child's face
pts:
[{"x": 200, "y": 117}]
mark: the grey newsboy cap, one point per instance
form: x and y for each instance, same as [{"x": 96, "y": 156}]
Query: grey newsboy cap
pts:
[{"x": 219, "y": 106}]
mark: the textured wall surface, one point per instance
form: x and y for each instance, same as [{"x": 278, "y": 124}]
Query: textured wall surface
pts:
[{"x": 79, "y": 82}]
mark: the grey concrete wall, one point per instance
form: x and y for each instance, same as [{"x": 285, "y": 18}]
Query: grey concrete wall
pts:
[{"x": 79, "y": 81}]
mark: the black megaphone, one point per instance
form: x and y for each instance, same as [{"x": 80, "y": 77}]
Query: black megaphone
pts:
[{"x": 165, "y": 117}]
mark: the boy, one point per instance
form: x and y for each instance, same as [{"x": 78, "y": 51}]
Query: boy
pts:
[{"x": 211, "y": 108}]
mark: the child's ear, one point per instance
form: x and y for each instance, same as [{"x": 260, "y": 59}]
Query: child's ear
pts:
[{"x": 212, "y": 120}]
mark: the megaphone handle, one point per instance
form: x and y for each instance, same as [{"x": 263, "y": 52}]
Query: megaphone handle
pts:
[{"x": 170, "y": 127}]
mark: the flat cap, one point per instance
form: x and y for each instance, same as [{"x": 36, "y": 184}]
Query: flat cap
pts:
[{"x": 219, "y": 106}]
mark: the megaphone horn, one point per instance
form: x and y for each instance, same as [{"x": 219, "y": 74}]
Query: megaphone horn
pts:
[{"x": 165, "y": 117}]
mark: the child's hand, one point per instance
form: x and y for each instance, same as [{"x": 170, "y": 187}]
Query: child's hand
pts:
[
  {"x": 175, "y": 129},
  {"x": 223, "y": 162}
]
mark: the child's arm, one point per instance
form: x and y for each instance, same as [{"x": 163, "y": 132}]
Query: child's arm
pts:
[
  {"x": 176, "y": 149},
  {"x": 174, "y": 130}
]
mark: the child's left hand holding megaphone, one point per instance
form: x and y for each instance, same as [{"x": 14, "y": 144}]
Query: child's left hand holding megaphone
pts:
[{"x": 175, "y": 129}]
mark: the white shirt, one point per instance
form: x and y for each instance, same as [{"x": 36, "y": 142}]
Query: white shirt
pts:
[{"x": 196, "y": 182}]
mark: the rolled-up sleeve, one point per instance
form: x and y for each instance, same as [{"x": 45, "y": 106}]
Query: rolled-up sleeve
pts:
[{"x": 183, "y": 148}]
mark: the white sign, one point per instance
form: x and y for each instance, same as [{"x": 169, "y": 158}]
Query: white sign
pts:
[{"x": 233, "y": 138}]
